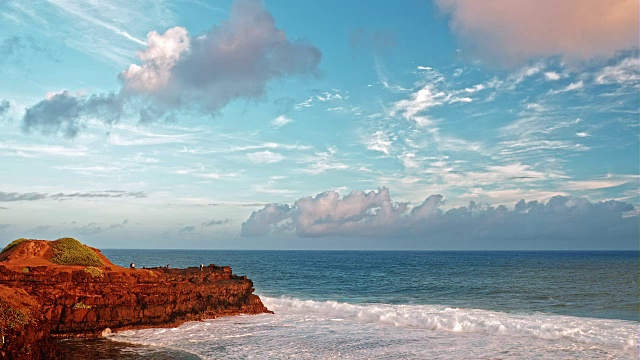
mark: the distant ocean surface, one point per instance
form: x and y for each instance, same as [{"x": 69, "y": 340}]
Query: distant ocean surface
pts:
[{"x": 401, "y": 305}]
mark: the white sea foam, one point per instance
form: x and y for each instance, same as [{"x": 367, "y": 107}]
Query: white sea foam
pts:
[
  {"x": 307, "y": 329},
  {"x": 433, "y": 317}
]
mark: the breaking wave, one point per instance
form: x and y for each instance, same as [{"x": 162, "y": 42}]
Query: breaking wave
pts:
[{"x": 442, "y": 318}]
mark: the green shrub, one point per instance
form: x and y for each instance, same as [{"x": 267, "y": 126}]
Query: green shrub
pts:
[
  {"x": 69, "y": 251},
  {"x": 12, "y": 318},
  {"x": 13, "y": 244},
  {"x": 81, "y": 305},
  {"x": 25, "y": 270},
  {"x": 94, "y": 272}
]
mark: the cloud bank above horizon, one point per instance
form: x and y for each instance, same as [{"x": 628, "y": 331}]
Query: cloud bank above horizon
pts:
[{"x": 374, "y": 215}]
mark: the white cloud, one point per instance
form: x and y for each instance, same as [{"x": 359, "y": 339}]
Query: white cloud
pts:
[
  {"x": 475, "y": 88},
  {"x": 582, "y": 134},
  {"x": 35, "y": 151},
  {"x": 379, "y": 141},
  {"x": 423, "y": 99},
  {"x": 266, "y": 156},
  {"x": 627, "y": 71},
  {"x": 374, "y": 214},
  {"x": 322, "y": 162},
  {"x": 409, "y": 160},
  {"x": 571, "y": 87},
  {"x": 598, "y": 183},
  {"x": 269, "y": 188},
  {"x": 234, "y": 60},
  {"x": 281, "y": 121},
  {"x": 551, "y": 76},
  {"x": 524, "y": 73},
  {"x": 270, "y": 146},
  {"x": 158, "y": 59},
  {"x": 151, "y": 139}
]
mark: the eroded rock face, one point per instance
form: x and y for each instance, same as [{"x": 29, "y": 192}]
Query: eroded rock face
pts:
[
  {"x": 24, "y": 332},
  {"x": 83, "y": 301},
  {"x": 78, "y": 303}
]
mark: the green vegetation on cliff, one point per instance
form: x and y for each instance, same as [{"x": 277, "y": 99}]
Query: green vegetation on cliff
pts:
[
  {"x": 94, "y": 272},
  {"x": 12, "y": 317},
  {"x": 69, "y": 251},
  {"x": 13, "y": 244}
]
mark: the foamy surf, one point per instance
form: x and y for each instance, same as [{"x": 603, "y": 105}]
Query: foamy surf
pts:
[
  {"x": 308, "y": 329},
  {"x": 433, "y": 317}
]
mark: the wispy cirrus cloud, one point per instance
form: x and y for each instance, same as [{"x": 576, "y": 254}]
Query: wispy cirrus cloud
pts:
[
  {"x": 265, "y": 157},
  {"x": 35, "y": 150},
  {"x": 324, "y": 161},
  {"x": 110, "y": 31}
]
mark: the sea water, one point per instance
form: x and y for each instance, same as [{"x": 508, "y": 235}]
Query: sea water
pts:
[{"x": 402, "y": 305}]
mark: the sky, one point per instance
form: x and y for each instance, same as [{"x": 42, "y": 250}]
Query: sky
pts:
[{"x": 244, "y": 124}]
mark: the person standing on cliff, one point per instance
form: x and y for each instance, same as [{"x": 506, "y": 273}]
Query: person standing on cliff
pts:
[
  {"x": 201, "y": 267},
  {"x": 132, "y": 265}
]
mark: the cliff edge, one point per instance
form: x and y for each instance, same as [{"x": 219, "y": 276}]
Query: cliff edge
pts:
[{"x": 62, "y": 288}]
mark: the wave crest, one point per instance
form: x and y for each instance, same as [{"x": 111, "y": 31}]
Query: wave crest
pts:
[{"x": 617, "y": 333}]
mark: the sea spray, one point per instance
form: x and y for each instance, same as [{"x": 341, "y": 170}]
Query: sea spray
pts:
[
  {"x": 308, "y": 329},
  {"x": 432, "y": 317}
]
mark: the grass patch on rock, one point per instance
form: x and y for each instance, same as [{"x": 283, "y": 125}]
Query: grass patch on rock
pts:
[
  {"x": 82, "y": 306},
  {"x": 69, "y": 251},
  {"x": 94, "y": 272},
  {"x": 12, "y": 318}
]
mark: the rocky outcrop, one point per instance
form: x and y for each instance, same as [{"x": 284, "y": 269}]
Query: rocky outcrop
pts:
[
  {"x": 24, "y": 331},
  {"x": 86, "y": 301}
]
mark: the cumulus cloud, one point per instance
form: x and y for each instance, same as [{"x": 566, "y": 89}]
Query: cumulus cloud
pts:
[
  {"x": 374, "y": 214},
  {"x": 510, "y": 32},
  {"x": 272, "y": 219},
  {"x": 232, "y": 61},
  {"x": 177, "y": 71},
  {"x": 162, "y": 54}
]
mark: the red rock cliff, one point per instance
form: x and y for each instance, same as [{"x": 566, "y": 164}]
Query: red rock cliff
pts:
[{"x": 84, "y": 301}]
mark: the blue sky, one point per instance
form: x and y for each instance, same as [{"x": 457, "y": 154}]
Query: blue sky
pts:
[{"x": 178, "y": 124}]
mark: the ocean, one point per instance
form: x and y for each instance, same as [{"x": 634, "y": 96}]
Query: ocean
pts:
[{"x": 401, "y": 305}]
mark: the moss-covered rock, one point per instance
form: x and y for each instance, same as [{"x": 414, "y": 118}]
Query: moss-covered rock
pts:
[
  {"x": 94, "y": 272},
  {"x": 69, "y": 251}
]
